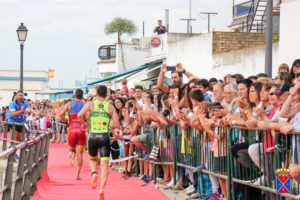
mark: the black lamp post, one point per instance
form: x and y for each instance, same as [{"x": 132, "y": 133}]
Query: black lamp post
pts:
[{"x": 22, "y": 33}]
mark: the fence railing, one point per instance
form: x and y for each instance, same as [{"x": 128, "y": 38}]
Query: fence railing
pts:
[
  {"x": 25, "y": 160},
  {"x": 247, "y": 158}
]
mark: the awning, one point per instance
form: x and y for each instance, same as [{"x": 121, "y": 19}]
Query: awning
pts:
[
  {"x": 130, "y": 71},
  {"x": 45, "y": 92}
]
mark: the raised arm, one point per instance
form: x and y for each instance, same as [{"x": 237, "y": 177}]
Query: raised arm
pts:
[
  {"x": 160, "y": 81},
  {"x": 182, "y": 70}
]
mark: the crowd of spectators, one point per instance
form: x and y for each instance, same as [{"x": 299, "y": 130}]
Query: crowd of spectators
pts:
[{"x": 257, "y": 101}]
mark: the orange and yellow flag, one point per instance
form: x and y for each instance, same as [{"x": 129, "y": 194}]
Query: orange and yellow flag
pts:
[{"x": 51, "y": 73}]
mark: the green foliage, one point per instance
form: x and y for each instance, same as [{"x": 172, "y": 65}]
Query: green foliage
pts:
[{"x": 121, "y": 26}]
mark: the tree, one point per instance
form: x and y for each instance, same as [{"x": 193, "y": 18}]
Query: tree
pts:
[{"x": 121, "y": 26}]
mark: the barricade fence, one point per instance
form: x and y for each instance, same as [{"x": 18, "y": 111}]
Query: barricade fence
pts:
[
  {"x": 22, "y": 162},
  {"x": 246, "y": 158}
]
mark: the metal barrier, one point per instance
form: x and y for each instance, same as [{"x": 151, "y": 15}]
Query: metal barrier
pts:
[
  {"x": 32, "y": 162},
  {"x": 246, "y": 158}
]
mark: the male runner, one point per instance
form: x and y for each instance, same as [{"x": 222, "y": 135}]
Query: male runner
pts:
[
  {"x": 76, "y": 135},
  {"x": 99, "y": 113}
]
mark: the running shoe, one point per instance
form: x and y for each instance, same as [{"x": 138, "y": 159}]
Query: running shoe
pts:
[{"x": 148, "y": 179}]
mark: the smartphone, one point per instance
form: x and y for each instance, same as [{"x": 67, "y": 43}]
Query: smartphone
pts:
[{"x": 171, "y": 68}]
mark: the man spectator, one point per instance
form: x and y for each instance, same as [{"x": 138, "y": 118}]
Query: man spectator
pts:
[
  {"x": 154, "y": 89},
  {"x": 177, "y": 78},
  {"x": 203, "y": 85},
  {"x": 18, "y": 108},
  {"x": 138, "y": 94},
  {"x": 160, "y": 29}
]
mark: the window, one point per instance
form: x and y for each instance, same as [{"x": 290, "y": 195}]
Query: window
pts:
[{"x": 107, "y": 52}]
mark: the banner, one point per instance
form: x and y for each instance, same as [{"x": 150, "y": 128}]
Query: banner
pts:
[{"x": 51, "y": 73}]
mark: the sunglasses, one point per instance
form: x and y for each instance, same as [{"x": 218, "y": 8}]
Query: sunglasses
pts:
[{"x": 147, "y": 97}]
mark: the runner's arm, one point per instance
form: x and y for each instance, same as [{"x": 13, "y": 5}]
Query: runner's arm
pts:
[
  {"x": 82, "y": 113},
  {"x": 63, "y": 112}
]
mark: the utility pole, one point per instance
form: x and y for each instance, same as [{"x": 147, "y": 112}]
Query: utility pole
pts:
[
  {"x": 269, "y": 38},
  {"x": 189, "y": 20},
  {"x": 167, "y": 19},
  {"x": 208, "y": 17}
]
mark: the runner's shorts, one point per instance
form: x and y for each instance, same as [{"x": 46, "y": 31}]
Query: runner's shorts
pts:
[{"x": 101, "y": 142}]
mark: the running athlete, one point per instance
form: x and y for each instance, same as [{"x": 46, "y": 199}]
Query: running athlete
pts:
[
  {"x": 99, "y": 113},
  {"x": 76, "y": 136}
]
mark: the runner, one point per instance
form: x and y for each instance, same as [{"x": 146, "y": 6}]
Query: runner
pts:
[
  {"x": 99, "y": 113},
  {"x": 76, "y": 135}
]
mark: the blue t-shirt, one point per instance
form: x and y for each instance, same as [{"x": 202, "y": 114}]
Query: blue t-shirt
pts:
[
  {"x": 160, "y": 30},
  {"x": 14, "y": 106},
  {"x": 207, "y": 98}
]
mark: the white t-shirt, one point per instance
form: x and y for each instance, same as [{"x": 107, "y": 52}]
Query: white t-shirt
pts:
[{"x": 277, "y": 117}]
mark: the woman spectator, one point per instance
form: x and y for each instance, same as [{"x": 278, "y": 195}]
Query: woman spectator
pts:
[{"x": 295, "y": 70}]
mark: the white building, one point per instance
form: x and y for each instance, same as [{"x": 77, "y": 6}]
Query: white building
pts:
[
  {"x": 216, "y": 53},
  {"x": 33, "y": 81}
]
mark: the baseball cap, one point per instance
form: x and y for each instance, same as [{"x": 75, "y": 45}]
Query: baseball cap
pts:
[{"x": 281, "y": 88}]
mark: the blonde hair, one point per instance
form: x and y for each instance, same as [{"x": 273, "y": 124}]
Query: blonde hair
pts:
[
  {"x": 220, "y": 85},
  {"x": 265, "y": 80},
  {"x": 124, "y": 81}
]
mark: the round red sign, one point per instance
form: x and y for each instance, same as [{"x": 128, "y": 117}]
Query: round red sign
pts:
[{"x": 155, "y": 42}]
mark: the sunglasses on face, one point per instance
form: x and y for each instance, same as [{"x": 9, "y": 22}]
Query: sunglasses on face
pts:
[{"x": 147, "y": 97}]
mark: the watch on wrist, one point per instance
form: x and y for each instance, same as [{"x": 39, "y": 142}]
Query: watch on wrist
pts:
[{"x": 183, "y": 71}]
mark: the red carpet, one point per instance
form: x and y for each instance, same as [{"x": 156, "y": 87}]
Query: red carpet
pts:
[{"x": 58, "y": 182}]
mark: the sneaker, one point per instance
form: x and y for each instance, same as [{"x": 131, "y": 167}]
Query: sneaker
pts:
[
  {"x": 124, "y": 174},
  {"x": 142, "y": 177},
  {"x": 192, "y": 191},
  {"x": 170, "y": 184},
  {"x": 16, "y": 157},
  {"x": 148, "y": 179},
  {"x": 188, "y": 188}
]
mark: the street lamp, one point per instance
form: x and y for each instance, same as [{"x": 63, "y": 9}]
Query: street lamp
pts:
[{"x": 22, "y": 33}]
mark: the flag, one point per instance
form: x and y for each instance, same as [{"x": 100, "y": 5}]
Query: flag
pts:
[{"x": 51, "y": 73}]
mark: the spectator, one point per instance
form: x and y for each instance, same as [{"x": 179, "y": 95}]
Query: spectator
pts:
[
  {"x": 283, "y": 68},
  {"x": 124, "y": 85},
  {"x": 160, "y": 29}
]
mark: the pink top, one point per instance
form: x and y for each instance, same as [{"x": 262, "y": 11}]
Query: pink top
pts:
[{"x": 219, "y": 147}]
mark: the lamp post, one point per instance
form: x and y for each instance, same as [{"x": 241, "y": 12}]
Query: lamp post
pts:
[{"x": 22, "y": 33}]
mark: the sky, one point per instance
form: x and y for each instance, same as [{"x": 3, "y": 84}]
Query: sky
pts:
[{"x": 65, "y": 34}]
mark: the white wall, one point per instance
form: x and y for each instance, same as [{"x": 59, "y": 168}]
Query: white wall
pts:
[
  {"x": 132, "y": 57},
  {"x": 289, "y": 45},
  {"x": 194, "y": 51},
  {"x": 107, "y": 67},
  {"x": 246, "y": 62}
]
